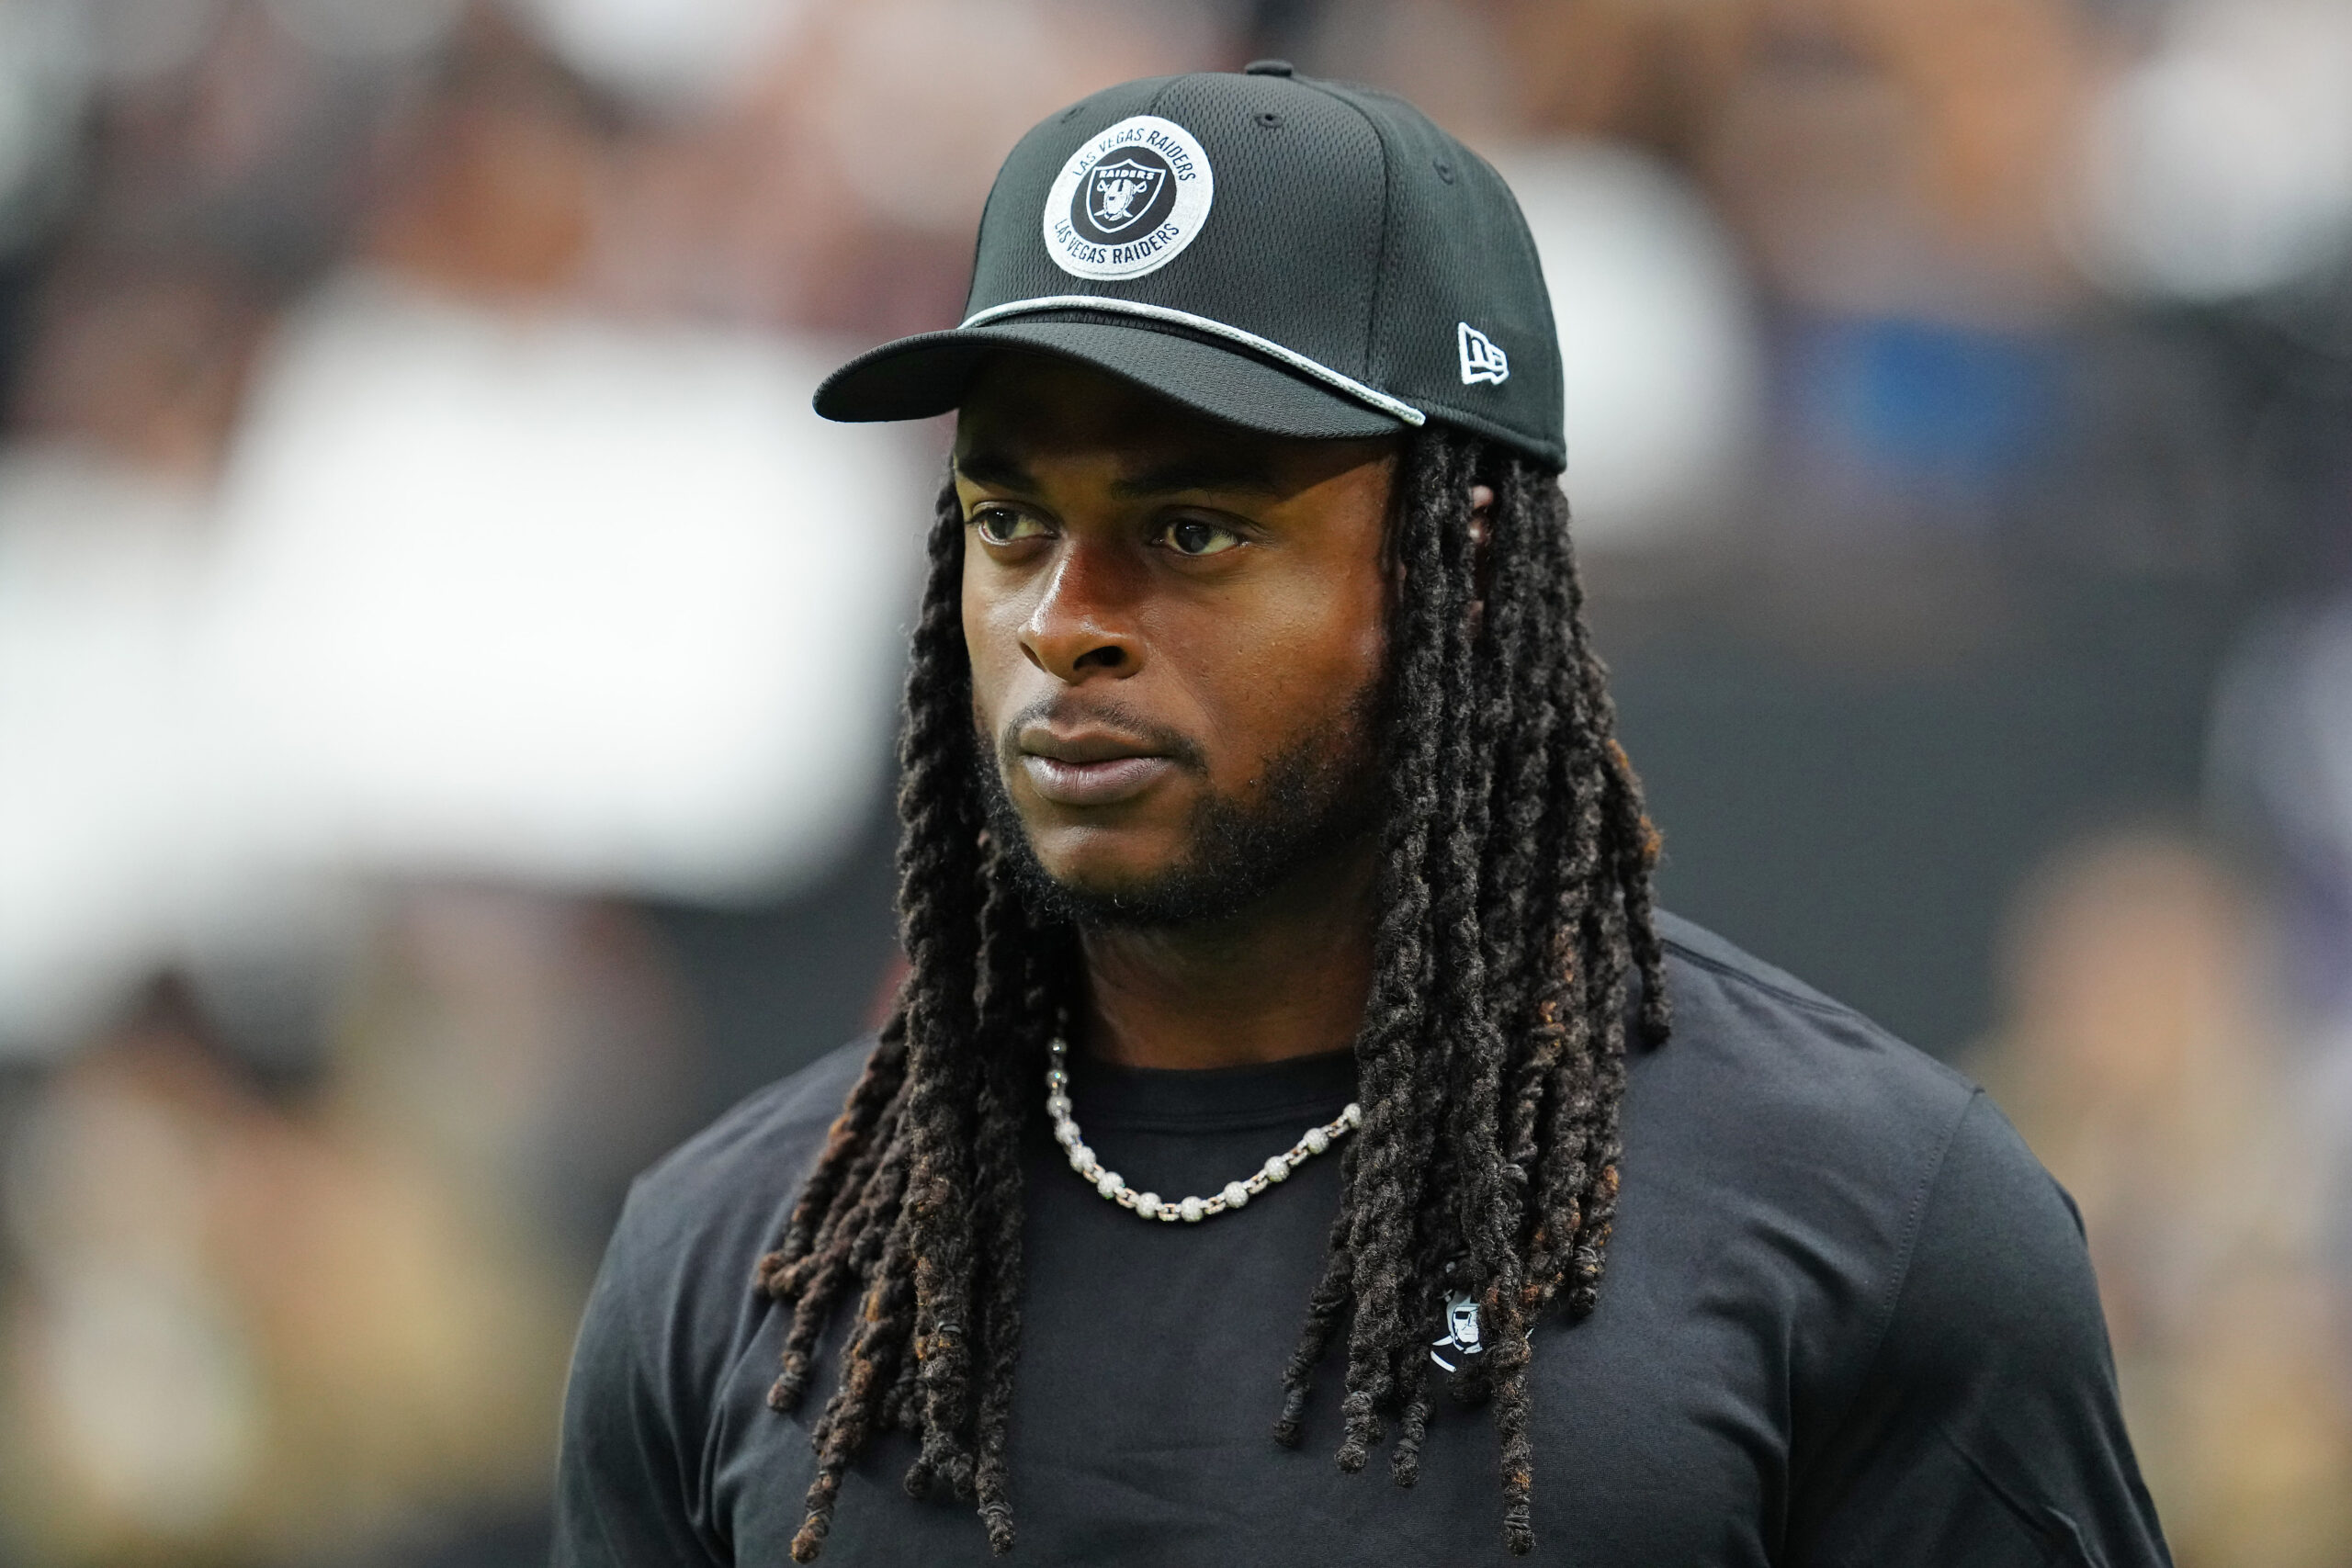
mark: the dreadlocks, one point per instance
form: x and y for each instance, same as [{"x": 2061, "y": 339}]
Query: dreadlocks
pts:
[{"x": 1516, "y": 929}]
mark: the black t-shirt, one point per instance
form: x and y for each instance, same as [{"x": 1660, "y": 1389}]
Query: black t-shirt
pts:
[{"x": 1847, "y": 1320}]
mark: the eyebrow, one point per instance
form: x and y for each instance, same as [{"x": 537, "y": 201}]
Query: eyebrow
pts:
[
  {"x": 1200, "y": 471},
  {"x": 996, "y": 469},
  {"x": 1195, "y": 471}
]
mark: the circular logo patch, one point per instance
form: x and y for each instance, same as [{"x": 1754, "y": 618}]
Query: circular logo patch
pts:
[{"x": 1128, "y": 201}]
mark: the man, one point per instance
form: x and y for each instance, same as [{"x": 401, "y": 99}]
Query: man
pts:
[{"x": 1277, "y": 907}]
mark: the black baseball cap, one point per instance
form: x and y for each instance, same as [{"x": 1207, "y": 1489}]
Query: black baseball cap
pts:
[{"x": 1298, "y": 256}]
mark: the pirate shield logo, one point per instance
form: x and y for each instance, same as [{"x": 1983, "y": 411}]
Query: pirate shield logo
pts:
[
  {"x": 1119, "y": 194},
  {"x": 1462, "y": 1340}
]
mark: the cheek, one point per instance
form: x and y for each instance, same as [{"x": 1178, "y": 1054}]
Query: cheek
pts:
[
  {"x": 1313, "y": 655},
  {"x": 986, "y": 644}
]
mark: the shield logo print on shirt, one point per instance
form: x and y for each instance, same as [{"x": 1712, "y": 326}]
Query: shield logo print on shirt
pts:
[
  {"x": 1462, "y": 1340},
  {"x": 1120, "y": 193}
]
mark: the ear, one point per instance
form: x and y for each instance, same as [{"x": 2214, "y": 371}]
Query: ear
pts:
[{"x": 1482, "y": 508}]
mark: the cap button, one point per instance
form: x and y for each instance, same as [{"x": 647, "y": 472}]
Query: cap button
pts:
[{"x": 1268, "y": 68}]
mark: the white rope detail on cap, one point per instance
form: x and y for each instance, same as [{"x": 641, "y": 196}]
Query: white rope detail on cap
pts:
[{"x": 1390, "y": 406}]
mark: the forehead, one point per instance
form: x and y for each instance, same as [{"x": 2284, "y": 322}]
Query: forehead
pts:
[{"x": 1023, "y": 411}]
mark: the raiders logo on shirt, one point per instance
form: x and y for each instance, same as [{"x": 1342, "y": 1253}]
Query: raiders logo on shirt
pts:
[{"x": 1128, "y": 201}]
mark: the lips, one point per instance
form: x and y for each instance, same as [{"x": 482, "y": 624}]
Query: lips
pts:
[
  {"x": 1093, "y": 783},
  {"x": 1089, "y": 768}
]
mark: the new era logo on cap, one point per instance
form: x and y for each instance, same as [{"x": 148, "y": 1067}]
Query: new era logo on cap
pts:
[{"x": 1481, "y": 359}]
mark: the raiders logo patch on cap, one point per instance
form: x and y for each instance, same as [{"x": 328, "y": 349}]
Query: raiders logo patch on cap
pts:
[{"x": 1129, "y": 201}]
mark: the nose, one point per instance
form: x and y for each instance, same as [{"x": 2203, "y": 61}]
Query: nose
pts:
[{"x": 1082, "y": 625}]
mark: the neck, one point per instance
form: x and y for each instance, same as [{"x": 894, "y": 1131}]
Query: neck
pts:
[{"x": 1285, "y": 977}]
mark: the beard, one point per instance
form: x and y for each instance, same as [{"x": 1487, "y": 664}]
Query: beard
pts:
[{"x": 1319, "y": 794}]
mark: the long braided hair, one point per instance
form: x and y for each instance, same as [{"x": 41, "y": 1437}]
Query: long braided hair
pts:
[{"x": 1516, "y": 933}]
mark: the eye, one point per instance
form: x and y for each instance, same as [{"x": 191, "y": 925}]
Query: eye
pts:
[
  {"x": 1192, "y": 537},
  {"x": 1003, "y": 525}
]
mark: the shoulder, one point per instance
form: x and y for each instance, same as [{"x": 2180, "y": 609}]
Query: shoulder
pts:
[
  {"x": 2000, "y": 1279},
  {"x": 1942, "y": 1265},
  {"x": 1771, "y": 1072},
  {"x": 1989, "y": 1411},
  {"x": 1818, "y": 1081},
  {"x": 727, "y": 1188},
  {"x": 673, "y": 1307},
  {"x": 786, "y": 1116},
  {"x": 678, "y": 1271}
]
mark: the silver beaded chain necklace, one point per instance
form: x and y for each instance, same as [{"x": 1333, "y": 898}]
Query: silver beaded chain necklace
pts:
[{"x": 1147, "y": 1205}]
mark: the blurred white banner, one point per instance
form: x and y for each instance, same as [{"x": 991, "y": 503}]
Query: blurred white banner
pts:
[{"x": 537, "y": 598}]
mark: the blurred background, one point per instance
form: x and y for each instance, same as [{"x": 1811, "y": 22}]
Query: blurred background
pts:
[{"x": 446, "y": 675}]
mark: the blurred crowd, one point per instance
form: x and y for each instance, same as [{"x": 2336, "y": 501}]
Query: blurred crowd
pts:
[{"x": 446, "y": 675}]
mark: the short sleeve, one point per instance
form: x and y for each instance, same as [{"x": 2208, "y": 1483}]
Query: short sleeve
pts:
[
  {"x": 625, "y": 1481},
  {"x": 1987, "y": 1432}
]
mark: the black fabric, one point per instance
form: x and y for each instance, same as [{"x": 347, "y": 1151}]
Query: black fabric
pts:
[
  {"x": 924, "y": 375},
  {"x": 1848, "y": 1320},
  {"x": 1345, "y": 227}
]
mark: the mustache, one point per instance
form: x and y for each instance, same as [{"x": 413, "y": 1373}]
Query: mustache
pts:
[{"x": 1068, "y": 711}]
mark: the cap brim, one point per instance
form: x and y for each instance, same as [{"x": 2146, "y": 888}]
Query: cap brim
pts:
[{"x": 916, "y": 377}]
